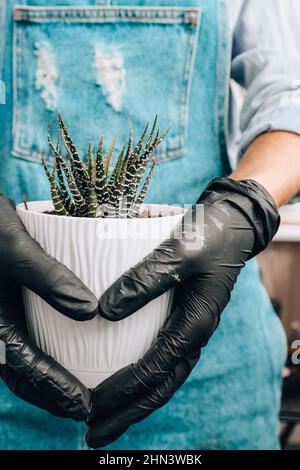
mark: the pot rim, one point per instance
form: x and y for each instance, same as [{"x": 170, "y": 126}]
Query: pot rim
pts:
[{"x": 178, "y": 211}]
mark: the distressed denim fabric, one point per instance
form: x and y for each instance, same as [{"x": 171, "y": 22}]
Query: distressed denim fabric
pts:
[
  {"x": 100, "y": 66},
  {"x": 25, "y": 427},
  {"x": 2, "y": 92}
]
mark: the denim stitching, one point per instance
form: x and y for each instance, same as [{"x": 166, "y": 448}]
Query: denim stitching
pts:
[
  {"x": 154, "y": 15},
  {"x": 2, "y": 35},
  {"x": 16, "y": 120},
  {"x": 160, "y": 14},
  {"x": 223, "y": 75},
  {"x": 186, "y": 88}
]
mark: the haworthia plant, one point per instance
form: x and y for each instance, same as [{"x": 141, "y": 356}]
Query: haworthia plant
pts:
[{"x": 97, "y": 188}]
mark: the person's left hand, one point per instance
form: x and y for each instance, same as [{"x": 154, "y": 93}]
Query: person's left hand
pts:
[
  {"x": 240, "y": 218},
  {"x": 30, "y": 373}
]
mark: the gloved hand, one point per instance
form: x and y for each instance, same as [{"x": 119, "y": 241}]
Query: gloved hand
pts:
[
  {"x": 28, "y": 372},
  {"x": 240, "y": 218}
]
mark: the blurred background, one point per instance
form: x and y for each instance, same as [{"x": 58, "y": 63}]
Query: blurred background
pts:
[{"x": 280, "y": 271}]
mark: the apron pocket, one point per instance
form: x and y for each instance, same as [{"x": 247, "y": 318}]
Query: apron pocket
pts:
[{"x": 99, "y": 67}]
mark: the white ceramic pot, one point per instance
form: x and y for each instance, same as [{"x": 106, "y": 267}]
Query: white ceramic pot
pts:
[{"x": 98, "y": 251}]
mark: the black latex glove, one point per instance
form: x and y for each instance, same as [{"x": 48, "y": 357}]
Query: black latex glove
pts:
[
  {"x": 240, "y": 218},
  {"x": 28, "y": 372}
]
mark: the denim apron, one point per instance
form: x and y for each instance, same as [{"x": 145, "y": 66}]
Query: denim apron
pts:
[{"x": 100, "y": 63}]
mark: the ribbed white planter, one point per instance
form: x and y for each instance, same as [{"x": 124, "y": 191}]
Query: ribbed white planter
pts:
[{"x": 98, "y": 251}]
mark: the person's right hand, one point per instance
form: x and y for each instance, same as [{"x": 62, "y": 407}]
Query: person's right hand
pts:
[{"x": 31, "y": 374}]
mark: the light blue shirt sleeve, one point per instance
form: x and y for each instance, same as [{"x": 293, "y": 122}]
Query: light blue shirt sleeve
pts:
[{"x": 266, "y": 63}]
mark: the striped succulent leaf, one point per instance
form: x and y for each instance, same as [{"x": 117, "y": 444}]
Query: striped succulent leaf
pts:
[
  {"x": 100, "y": 181},
  {"x": 140, "y": 143},
  {"x": 138, "y": 167},
  {"x": 145, "y": 160},
  {"x": 55, "y": 194},
  {"x": 114, "y": 179},
  {"x": 108, "y": 155},
  {"x": 79, "y": 201},
  {"x": 151, "y": 134},
  {"x": 90, "y": 164},
  {"x": 129, "y": 145},
  {"x": 136, "y": 206},
  {"x": 92, "y": 202},
  {"x": 92, "y": 196},
  {"x": 79, "y": 171},
  {"x": 64, "y": 193},
  {"x": 98, "y": 188},
  {"x": 135, "y": 153}
]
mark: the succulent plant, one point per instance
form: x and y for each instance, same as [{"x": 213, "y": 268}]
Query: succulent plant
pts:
[{"x": 98, "y": 188}]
